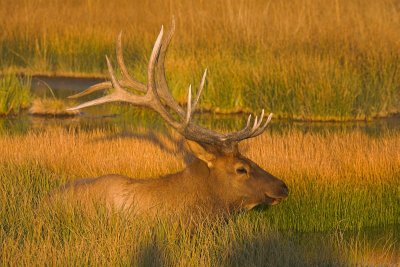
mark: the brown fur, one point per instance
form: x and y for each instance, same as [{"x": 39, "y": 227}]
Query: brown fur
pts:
[{"x": 211, "y": 184}]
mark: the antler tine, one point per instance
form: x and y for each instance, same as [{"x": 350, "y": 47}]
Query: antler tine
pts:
[
  {"x": 120, "y": 59},
  {"x": 118, "y": 95},
  {"x": 247, "y": 127},
  {"x": 262, "y": 128},
  {"x": 254, "y": 124},
  {"x": 98, "y": 101},
  {"x": 189, "y": 105},
  {"x": 236, "y": 136},
  {"x": 257, "y": 122},
  {"x": 91, "y": 89},
  {"x": 151, "y": 82},
  {"x": 114, "y": 80},
  {"x": 248, "y": 132},
  {"x": 201, "y": 86},
  {"x": 248, "y": 122},
  {"x": 99, "y": 87},
  {"x": 261, "y": 118},
  {"x": 163, "y": 89},
  {"x": 128, "y": 81}
]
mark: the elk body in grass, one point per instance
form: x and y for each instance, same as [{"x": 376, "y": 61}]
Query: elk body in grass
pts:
[{"x": 219, "y": 181}]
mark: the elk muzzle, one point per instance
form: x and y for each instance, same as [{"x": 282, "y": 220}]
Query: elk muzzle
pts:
[{"x": 279, "y": 193}]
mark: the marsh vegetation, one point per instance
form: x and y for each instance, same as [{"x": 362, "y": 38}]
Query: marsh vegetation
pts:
[
  {"x": 314, "y": 60},
  {"x": 339, "y": 182},
  {"x": 302, "y": 60},
  {"x": 14, "y": 94}
]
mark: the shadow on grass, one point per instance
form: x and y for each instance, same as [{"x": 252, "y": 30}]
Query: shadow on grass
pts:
[
  {"x": 279, "y": 249},
  {"x": 150, "y": 255},
  {"x": 234, "y": 244},
  {"x": 166, "y": 141}
]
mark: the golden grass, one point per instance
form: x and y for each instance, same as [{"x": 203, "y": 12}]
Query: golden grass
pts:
[
  {"x": 333, "y": 158},
  {"x": 88, "y": 154},
  {"x": 352, "y": 175},
  {"x": 274, "y": 22},
  {"x": 336, "y": 157},
  {"x": 302, "y": 59}
]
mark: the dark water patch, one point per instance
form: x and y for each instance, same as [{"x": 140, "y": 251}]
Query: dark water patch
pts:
[
  {"x": 127, "y": 118},
  {"x": 61, "y": 86}
]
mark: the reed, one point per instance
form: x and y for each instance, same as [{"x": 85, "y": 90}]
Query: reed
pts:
[
  {"x": 338, "y": 181},
  {"x": 308, "y": 60},
  {"x": 14, "y": 94}
]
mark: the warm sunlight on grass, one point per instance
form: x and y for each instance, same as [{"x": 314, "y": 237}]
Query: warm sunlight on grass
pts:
[
  {"x": 320, "y": 60},
  {"x": 14, "y": 94},
  {"x": 338, "y": 181},
  {"x": 317, "y": 60},
  {"x": 340, "y": 178}
]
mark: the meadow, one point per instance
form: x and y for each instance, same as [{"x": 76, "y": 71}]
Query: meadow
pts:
[
  {"x": 305, "y": 60},
  {"x": 339, "y": 183}
]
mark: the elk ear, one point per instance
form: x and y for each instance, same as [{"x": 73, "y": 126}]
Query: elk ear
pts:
[{"x": 200, "y": 152}]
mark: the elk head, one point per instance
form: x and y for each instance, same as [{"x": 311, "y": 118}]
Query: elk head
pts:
[
  {"x": 236, "y": 180},
  {"x": 240, "y": 182}
]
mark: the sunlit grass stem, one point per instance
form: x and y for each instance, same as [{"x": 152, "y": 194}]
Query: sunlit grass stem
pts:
[
  {"x": 338, "y": 182},
  {"x": 319, "y": 60},
  {"x": 14, "y": 93}
]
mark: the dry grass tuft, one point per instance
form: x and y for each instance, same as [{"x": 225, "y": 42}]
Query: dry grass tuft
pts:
[{"x": 51, "y": 107}]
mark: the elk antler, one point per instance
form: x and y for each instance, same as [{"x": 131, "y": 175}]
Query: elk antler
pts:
[{"x": 158, "y": 97}]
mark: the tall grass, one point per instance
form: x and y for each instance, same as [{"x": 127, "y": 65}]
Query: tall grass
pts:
[
  {"x": 320, "y": 60},
  {"x": 338, "y": 182},
  {"x": 14, "y": 94},
  {"x": 340, "y": 179}
]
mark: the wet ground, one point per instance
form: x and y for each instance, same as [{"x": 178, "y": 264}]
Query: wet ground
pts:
[{"x": 125, "y": 117}]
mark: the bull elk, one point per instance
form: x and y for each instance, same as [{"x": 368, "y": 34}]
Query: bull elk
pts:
[{"x": 219, "y": 180}]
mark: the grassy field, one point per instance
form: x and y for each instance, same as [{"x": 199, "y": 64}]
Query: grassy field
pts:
[
  {"x": 300, "y": 59},
  {"x": 309, "y": 60},
  {"x": 14, "y": 94},
  {"x": 339, "y": 182}
]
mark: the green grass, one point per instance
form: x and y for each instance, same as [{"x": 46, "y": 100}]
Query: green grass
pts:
[
  {"x": 307, "y": 60},
  {"x": 14, "y": 94},
  {"x": 33, "y": 235},
  {"x": 341, "y": 185}
]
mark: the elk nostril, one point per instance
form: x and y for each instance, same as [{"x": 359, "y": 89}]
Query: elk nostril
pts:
[{"x": 285, "y": 189}]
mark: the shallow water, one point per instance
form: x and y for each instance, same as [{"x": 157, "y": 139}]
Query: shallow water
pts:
[{"x": 126, "y": 118}]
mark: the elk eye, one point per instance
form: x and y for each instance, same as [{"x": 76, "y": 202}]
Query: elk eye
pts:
[{"x": 241, "y": 170}]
